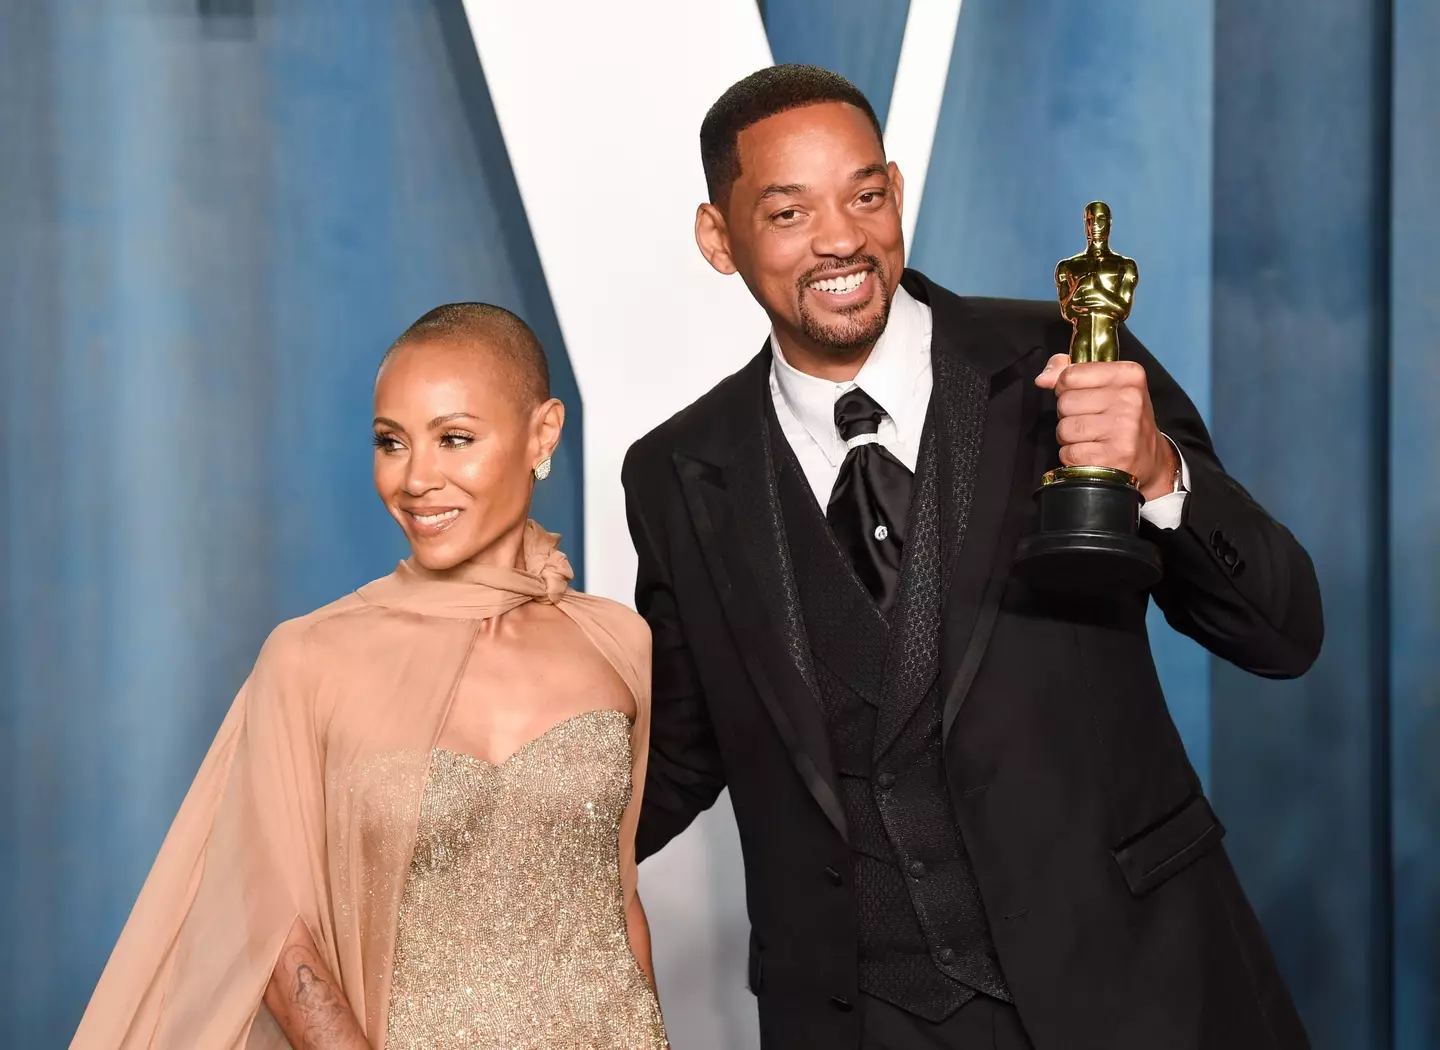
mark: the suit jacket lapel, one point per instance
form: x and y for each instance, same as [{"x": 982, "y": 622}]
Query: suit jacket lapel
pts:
[
  {"x": 736, "y": 511},
  {"x": 986, "y": 495},
  {"x": 982, "y": 564}
]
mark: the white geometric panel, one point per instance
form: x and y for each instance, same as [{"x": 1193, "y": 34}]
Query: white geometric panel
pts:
[{"x": 600, "y": 105}]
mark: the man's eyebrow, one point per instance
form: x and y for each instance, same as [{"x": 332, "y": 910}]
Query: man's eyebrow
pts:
[
  {"x": 788, "y": 189},
  {"x": 866, "y": 172}
]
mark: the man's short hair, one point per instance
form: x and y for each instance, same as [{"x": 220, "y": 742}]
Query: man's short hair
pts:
[
  {"x": 764, "y": 93},
  {"x": 514, "y": 345}
]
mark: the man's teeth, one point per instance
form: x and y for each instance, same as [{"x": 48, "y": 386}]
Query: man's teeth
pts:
[
  {"x": 436, "y": 519},
  {"x": 841, "y": 285}
]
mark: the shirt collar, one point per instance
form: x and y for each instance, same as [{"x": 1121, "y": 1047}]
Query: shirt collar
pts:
[{"x": 889, "y": 374}]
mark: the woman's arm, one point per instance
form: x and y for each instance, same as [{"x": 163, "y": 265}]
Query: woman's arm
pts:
[
  {"x": 638, "y": 929},
  {"x": 307, "y": 1002}
]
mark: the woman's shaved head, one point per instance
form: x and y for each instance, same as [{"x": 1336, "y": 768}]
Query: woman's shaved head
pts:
[{"x": 492, "y": 330}]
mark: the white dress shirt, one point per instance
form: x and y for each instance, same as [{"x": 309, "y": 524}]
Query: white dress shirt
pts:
[{"x": 897, "y": 375}]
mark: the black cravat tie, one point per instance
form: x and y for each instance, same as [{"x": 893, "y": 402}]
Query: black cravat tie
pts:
[{"x": 870, "y": 500}]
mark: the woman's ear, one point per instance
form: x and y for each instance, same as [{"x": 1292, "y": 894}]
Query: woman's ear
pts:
[{"x": 547, "y": 422}]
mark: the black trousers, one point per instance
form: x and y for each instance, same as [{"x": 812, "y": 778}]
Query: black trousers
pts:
[{"x": 981, "y": 1024}]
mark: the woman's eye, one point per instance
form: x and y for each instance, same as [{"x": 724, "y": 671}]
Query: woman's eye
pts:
[
  {"x": 455, "y": 440},
  {"x": 386, "y": 442}
]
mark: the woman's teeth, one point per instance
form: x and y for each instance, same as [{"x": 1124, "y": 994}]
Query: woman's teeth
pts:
[
  {"x": 436, "y": 519},
  {"x": 841, "y": 285}
]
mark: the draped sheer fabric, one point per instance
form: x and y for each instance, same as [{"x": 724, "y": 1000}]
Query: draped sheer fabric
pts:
[{"x": 307, "y": 803}]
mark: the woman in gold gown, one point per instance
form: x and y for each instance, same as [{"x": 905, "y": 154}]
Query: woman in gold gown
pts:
[{"x": 416, "y": 825}]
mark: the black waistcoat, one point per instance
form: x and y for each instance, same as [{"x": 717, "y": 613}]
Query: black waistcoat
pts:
[{"x": 924, "y": 943}]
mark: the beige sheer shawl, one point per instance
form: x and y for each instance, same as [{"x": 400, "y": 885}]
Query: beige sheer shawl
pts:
[{"x": 307, "y": 802}]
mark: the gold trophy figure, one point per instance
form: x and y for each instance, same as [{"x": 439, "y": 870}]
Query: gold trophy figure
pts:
[
  {"x": 1097, "y": 289},
  {"x": 1088, "y": 538}
]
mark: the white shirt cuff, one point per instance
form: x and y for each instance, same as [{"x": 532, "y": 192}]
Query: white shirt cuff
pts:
[{"x": 1164, "y": 511}]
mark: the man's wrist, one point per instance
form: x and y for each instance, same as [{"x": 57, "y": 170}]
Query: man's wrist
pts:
[{"x": 1166, "y": 478}]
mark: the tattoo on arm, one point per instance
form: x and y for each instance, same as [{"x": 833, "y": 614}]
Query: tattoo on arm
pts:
[{"x": 311, "y": 1010}]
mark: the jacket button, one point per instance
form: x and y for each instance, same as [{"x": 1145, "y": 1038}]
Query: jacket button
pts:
[
  {"x": 946, "y": 955},
  {"x": 1238, "y": 567},
  {"x": 1217, "y": 541},
  {"x": 917, "y": 869},
  {"x": 886, "y": 780},
  {"x": 833, "y": 875},
  {"x": 840, "y": 1003}
]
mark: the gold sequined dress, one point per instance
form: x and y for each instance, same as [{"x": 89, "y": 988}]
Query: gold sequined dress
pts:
[{"x": 512, "y": 923}]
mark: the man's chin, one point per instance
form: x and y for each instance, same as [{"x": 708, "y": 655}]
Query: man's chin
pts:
[{"x": 845, "y": 334}]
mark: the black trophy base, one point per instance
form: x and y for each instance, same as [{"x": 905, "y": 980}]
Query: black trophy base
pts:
[{"x": 1088, "y": 541}]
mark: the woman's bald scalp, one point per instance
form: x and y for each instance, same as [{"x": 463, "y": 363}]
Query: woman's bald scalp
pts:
[{"x": 492, "y": 329}]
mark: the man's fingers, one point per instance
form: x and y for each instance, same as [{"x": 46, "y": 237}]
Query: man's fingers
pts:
[
  {"x": 1084, "y": 402},
  {"x": 1097, "y": 429},
  {"x": 1085, "y": 454},
  {"x": 1047, "y": 379},
  {"x": 1089, "y": 375},
  {"x": 1075, "y": 430}
]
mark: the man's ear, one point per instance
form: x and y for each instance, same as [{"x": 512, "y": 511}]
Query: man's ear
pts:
[
  {"x": 897, "y": 188},
  {"x": 713, "y": 238}
]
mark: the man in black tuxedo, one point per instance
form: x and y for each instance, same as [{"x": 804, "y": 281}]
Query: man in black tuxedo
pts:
[{"x": 967, "y": 818}]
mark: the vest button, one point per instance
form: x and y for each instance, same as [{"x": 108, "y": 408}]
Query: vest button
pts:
[
  {"x": 886, "y": 780},
  {"x": 946, "y": 955},
  {"x": 840, "y": 1003},
  {"x": 917, "y": 869}
]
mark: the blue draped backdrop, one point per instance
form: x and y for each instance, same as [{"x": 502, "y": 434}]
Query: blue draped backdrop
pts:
[
  {"x": 212, "y": 222},
  {"x": 215, "y": 214}
]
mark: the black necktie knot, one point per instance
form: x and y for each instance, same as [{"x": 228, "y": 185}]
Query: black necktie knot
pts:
[{"x": 856, "y": 413}]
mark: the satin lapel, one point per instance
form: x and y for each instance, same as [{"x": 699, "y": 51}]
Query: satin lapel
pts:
[
  {"x": 1003, "y": 483},
  {"x": 736, "y": 513}
]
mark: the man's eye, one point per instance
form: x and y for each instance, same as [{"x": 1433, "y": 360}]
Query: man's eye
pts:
[
  {"x": 871, "y": 195},
  {"x": 787, "y": 215}
]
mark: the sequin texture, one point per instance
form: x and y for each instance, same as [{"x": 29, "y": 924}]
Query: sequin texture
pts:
[{"x": 512, "y": 924}]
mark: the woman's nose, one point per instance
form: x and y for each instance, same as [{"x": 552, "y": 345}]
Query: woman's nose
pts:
[{"x": 422, "y": 474}]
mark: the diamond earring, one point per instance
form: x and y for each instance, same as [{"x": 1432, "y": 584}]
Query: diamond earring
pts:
[{"x": 542, "y": 469}]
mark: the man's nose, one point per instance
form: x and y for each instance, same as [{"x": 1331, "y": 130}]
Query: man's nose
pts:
[{"x": 837, "y": 235}]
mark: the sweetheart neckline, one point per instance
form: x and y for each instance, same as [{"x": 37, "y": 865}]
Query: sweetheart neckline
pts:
[{"x": 536, "y": 739}]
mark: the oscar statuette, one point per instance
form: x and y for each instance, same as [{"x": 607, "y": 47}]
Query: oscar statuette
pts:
[{"x": 1088, "y": 538}]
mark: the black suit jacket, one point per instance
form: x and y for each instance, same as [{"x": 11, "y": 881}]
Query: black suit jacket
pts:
[{"x": 1116, "y": 914}]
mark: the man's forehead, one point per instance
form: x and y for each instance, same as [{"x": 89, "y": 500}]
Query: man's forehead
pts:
[
  {"x": 804, "y": 125},
  {"x": 794, "y": 153}
]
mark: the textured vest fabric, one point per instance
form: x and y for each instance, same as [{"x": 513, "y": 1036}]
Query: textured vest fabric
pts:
[{"x": 924, "y": 943}]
